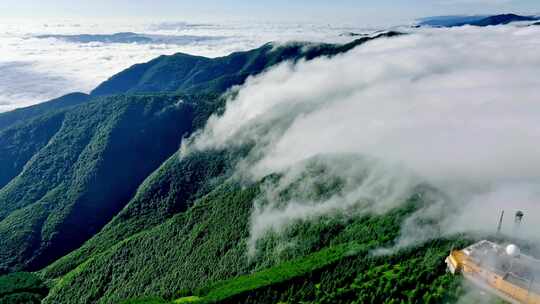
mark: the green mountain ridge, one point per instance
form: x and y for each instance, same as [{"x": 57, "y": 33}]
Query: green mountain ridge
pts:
[
  {"x": 207, "y": 244},
  {"x": 188, "y": 74},
  {"x": 8, "y": 119}
]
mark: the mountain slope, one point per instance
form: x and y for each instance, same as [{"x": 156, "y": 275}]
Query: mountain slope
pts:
[
  {"x": 73, "y": 186},
  {"x": 197, "y": 246},
  {"x": 9, "y": 118},
  {"x": 169, "y": 190},
  {"x": 20, "y": 142}
]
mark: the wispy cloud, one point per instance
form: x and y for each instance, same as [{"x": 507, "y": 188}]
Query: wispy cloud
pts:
[
  {"x": 457, "y": 107},
  {"x": 60, "y": 57}
]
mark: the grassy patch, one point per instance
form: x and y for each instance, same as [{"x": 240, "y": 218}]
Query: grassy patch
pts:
[
  {"x": 146, "y": 300},
  {"x": 191, "y": 299},
  {"x": 283, "y": 272}
]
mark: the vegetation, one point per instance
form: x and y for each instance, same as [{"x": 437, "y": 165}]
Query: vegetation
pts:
[
  {"x": 87, "y": 172},
  {"x": 283, "y": 272},
  {"x": 21, "y": 288},
  {"x": 146, "y": 300},
  {"x": 25, "y": 114},
  {"x": 20, "y": 142},
  {"x": 413, "y": 276},
  {"x": 204, "y": 244},
  {"x": 168, "y": 191},
  {"x": 346, "y": 272},
  {"x": 198, "y": 251}
]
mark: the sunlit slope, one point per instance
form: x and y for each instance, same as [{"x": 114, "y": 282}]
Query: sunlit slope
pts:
[
  {"x": 201, "y": 254},
  {"x": 201, "y": 245}
]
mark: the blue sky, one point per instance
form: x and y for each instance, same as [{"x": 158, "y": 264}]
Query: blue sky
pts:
[{"x": 361, "y": 11}]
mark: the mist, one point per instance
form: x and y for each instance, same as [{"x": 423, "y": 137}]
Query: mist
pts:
[
  {"x": 454, "y": 108},
  {"x": 45, "y": 59}
]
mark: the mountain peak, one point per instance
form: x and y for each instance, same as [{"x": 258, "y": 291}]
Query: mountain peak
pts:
[
  {"x": 503, "y": 19},
  {"x": 475, "y": 20}
]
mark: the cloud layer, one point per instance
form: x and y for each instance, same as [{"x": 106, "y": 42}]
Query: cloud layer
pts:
[
  {"x": 457, "y": 108},
  {"x": 40, "y": 61}
]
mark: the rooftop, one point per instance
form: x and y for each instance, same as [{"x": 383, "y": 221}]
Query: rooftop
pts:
[{"x": 520, "y": 270}]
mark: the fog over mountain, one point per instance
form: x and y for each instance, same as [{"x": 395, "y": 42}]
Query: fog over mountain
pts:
[
  {"x": 459, "y": 116},
  {"x": 45, "y": 60}
]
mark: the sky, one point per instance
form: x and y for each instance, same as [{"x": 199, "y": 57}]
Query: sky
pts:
[{"x": 360, "y": 11}]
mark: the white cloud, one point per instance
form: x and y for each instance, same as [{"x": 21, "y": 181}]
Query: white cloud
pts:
[
  {"x": 458, "y": 107},
  {"x": 20, "y": 82},
  {"x": 48, "y": 68}
]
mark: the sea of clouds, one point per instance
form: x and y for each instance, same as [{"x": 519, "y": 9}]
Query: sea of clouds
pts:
[
  {"x": 47, "y": 59},
  {"x": 456, "y": 109}
]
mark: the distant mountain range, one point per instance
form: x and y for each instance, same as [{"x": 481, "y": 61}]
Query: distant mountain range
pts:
[
  {"x": 448, "y": 21},
  {"x": 129, "y": 37},
  {"x": 477, "y": 20}
]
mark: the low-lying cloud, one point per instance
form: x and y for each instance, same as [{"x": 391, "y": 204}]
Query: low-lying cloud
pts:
[
  {"x": 129, "y": 37},
  {"x": 458, "y": 108},
  {"x": 60, "y": 57},
  {"x": 20, "y": 83}
]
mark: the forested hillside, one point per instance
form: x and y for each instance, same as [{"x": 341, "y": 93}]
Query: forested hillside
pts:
[
  {"x": 195, "y": 250},
  {"x": 84, "y": 175},
  {"x": 188, "y": 74},
  {"x": 19, "y": 143},
  {"x": 25, "y": 114}
]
